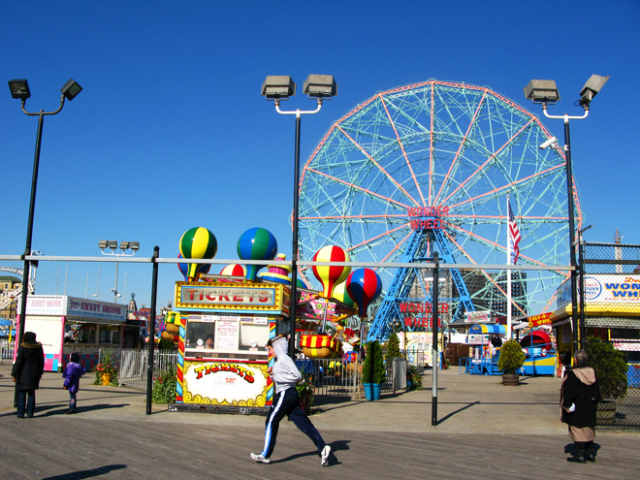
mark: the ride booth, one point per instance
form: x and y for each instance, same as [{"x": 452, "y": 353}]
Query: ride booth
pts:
[
  {"x": 222, "y": 332},
  {"x": 539, "y": 348},
  {"x": 65, "y": 325},
  {"x": 484, "y": 355}
]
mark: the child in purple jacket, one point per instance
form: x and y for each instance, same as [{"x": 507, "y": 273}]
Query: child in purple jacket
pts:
[{"x": 72, "y": 373}]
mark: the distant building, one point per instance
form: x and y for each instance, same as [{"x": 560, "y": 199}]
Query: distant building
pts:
[
  {"x": 10, "y": 288},
  {"x": 498, "y": 302}
]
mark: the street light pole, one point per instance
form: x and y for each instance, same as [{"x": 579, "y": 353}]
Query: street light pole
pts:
[
  {"x": 544, "y": 92},
  {"x": 113, "y": 245},
  {"x": 20, "y": 89},
  {"x": 282, "y": 87}
]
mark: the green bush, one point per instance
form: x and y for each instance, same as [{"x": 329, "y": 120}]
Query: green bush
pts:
[
  {"x": 610, "y": 366},
  {"x": 166, "y": 344},
  {"x": 393, "y": 347},
  {"x": 373, "y": 370},
  {"x": 164, "y": 387},
  {"x": 511, "y": 357}
]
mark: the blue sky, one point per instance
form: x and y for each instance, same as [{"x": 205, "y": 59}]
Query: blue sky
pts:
[{"x": 170, "y": 131}]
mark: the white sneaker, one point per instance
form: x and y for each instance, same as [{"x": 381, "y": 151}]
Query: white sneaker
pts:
[
  {"x": 326, "y": 451},
  {"x": 260, "y": 458}
]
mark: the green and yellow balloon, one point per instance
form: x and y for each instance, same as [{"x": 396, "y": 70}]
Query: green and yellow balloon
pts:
[{"x": 198, "y": 243}]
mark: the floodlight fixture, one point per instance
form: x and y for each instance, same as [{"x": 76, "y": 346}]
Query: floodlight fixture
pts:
[
  {"x": 278, "y": 87},
  {"x": 542, "y": 91},
  {"x": 124, "y": 246},
  {"x": 320, "y": 86},
  {"x": 20, "y": 89},
  {"x": 112, "y": 244},
  {"x": 102, "y": 244},
  {"x": 70, "y": 89},
  {"x": 135, "y": 246},
  {"x": 591, "y": 89}
]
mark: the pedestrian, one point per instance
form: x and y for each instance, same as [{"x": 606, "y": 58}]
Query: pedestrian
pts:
[
  {"x": 27, "y": 372},
  {"x": 579, "y": 399},
  {"x": 286, "y": 401},
  {"x": 72, "y": 373}
]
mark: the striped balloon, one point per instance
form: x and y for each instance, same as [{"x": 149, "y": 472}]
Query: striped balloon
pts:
[
  {"x": 340, "y": 294},
  {"x": 234, "y": 270},
  {"x": 364, "y": 286},
  {"x": 197, "y": 243},
  {"x": 256, "y": 244},
  {"x": 330, "y": 276}
]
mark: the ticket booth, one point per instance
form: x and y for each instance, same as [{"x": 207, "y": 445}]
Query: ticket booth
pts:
[{"x": 222, "y": 364}]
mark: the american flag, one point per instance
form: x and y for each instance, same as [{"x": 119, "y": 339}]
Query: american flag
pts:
[{"x": 514, "y": 236}]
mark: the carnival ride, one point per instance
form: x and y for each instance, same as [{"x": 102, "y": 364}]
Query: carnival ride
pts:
[{"x": 427, "y": 167}]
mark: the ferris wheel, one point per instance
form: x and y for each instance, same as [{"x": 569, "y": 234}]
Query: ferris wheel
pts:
[{"x": 449, "y": 154}]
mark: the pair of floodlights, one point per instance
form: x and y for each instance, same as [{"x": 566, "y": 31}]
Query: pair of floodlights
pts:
[
  {"x": 20, "y": 89},
  {"x": 281, "y": 87}
]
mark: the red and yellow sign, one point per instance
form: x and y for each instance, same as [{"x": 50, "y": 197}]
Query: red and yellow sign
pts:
[
  {"x": 229, "y": 297},
  {"x": 542, "y": 319}
]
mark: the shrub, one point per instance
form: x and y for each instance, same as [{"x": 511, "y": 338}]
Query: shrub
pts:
[
  {"x": 393, "y": 347},
  {"x": 164, "y": 387},
  {"x": 511, "y": 357},
  {"x": 610, "y": 366},
  {"x": 373, "y": 370}
]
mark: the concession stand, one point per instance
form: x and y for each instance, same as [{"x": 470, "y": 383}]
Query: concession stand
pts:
[
  {"x": 65, "y": 325},
  {"x": 223, "y": 330}
]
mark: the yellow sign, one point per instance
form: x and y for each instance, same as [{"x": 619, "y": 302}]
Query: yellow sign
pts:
[{"x": 231, "y": 297}]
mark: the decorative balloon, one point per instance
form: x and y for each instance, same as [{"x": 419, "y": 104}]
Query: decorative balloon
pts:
[
  {"x": 198, "y": 243},
  {"x": 277, "y": 273},
  {"x": 340, "y": 294},
  {"x": 363, "y": 286},
  {"x": 234, "y": 270},
  {"x": 330, "y": 276},
  {"x": 256, "y": 244}
]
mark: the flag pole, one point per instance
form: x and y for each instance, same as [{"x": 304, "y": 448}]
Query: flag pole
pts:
[{"x": 508, "y": 274}]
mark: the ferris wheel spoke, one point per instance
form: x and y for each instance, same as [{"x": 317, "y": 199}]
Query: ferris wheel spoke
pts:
[
  {"x": 380, "y": 168},
  {"x": 404, "y": 154},
  {"x": 359, "y": 189},
  {"x": 455, "y": 161},
  {"x": 474, "y": 176}
]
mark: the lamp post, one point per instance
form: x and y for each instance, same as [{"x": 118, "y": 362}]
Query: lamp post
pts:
[
  {"x": 124, "y": 246},
  {"x": 277, "y": 88},
  {"x": 20, "y": 89},
  {"x": 546, "y": 92}
]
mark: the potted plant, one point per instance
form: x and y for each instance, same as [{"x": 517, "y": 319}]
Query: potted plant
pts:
[
  {"x": 373, "y": 371},
  {"x": 306, "y": 394},
  {"x": 106, "y": 371},
  {"x": 611, "y": 374},
  {"x": 510, "y": 361}
]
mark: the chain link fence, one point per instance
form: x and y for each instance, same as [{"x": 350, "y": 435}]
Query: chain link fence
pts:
[{"x": 610, "y": 285}]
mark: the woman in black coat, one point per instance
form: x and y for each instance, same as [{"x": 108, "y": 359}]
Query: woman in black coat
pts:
[
  {"x": 27, "y": 372},
  {"x": 579, "y": 400}
]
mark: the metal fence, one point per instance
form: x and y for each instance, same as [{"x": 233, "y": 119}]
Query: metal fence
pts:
[
  {"x": 132, "y": 365},
  {"x": 611, "y": 276},
  {"x": 6, "y": 353}
]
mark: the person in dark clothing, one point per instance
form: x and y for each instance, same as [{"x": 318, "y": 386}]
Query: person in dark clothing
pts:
[
  {"x": 72, "y": 373},
  {"x": 496, "y": 341},
  {"x": 27, "y": 372},
  {"x": 578, "y": 401}
]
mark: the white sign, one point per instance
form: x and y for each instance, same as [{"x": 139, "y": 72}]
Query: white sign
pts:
[
  {"x": 612, "y": 288},
  {"x": 227, "y": 335},
  {"x": 46, "y": 305},
  {"x": 82, "y": 307},
  {"x": 483, "y": 316}
]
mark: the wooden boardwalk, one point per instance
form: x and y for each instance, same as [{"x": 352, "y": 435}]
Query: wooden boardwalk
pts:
[{"x": 67, "y": 447}]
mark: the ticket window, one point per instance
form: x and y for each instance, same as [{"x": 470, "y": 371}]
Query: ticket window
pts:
[{"x": 226, "y": 337}]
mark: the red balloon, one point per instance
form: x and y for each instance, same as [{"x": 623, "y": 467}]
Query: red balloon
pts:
[{"x": 364, "y": 286}]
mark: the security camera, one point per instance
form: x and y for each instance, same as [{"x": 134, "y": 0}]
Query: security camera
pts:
[{"x": 548, "y": 143}]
